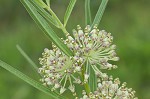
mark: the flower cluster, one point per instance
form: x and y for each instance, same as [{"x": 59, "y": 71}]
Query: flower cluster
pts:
[
  {"x": 110, "y": 89},
  {"x": 92, "y": 48},
  {"x": 57, "y": 68}
]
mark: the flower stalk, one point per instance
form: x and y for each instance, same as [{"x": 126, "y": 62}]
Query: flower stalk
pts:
[
  {"x": 86, "y": 85},
  {"x": 48, "y": 8},
  {"x": 60, "y": 25}
]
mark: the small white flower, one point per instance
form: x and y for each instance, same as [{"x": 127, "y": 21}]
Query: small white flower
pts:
[
  {"x": 62, "y": 90},
  {"x": 57, "y": 85},
  {"x": 78, "y": 81},
  {"x": 72, "y": 88},
  {"x": 77, "y": 68},
  {"x": 86, "y": 76},
  {"x": 85, "y": 97}
]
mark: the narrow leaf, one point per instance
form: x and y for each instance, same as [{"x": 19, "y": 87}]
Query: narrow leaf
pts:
[
  {"x": 30, "y": 81},
  {"x": 41, "y": 3},
  {"x": 45, "y": 27},
  {"x": 48, "y": 2},
  {"x": 92, "y": 80},
  {"x": 100, "y": 12},
  {"x": 87, "y": 13},
  {"x": 45, "y": 14},
  {"x": 86, "y": 85},
  {"x": 27, "y": 57},
  {"x": 68, "y": 11}
]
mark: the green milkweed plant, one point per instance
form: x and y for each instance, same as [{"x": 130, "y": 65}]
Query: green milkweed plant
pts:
[{"x": 77, "y": 60}]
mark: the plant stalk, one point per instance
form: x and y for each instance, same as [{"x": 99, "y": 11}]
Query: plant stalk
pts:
[
  {"x": 61, "y": 26},
  {"x": 86, "y": 85}
]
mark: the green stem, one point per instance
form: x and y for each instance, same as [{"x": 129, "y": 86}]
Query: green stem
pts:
[
  {"x": 86, "y": 85},
  {"x": 61, "y": 26},
  {"x": 87, "y": 88},
  {"x": 64, "y": 30}
]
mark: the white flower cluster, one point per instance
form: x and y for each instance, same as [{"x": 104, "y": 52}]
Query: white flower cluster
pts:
[
  {"x": 92, "y": 48},
  {"x": 57, "y": 68},
  {"x": 110, "y": 89}
]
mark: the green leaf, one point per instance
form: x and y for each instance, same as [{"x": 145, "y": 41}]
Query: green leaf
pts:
[
  {"x": 87, "y": 13},
  {"x": 30, "y": 81},
  {"x": 45, "y": 27},
  {"x": 45, "y": 14},
  {"x": 92, "y": 80},
  {"x": 100, "y": 12},
  {"x": 27, "y": 57},
  {"x": 86, "y": 85},
  {"x": 48, "y": 2},
  {"x": 68, "y": 11},
  {"x": 41, "y": 3}
]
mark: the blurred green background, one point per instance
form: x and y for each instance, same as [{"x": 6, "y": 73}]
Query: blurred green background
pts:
[{"x": 127, "y": 20}]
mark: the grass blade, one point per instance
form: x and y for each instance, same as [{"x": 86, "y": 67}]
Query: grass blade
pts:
[
  {"x": 97, "y": 19},
  {"x": 41, "y": 3},
  {"x": 68, "y": 11},
  {"x": 48, "y": 2},
  {"x": 45, "y": 27},
  {"x": 92, "y": 80},
  {"x": 30, "y": 81},
  {"x": 87, "y": 13},
  {"x": 27, "y": 57},
  {"x": 45, "y": 14},
  {"x": 100, "y": 12}
]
